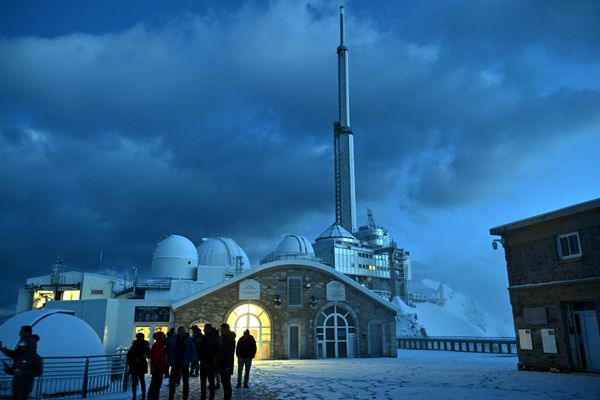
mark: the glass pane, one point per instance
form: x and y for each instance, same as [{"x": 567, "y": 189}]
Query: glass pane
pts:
[
  {"x": 330, "y": 334},
  {"x": 264, "y": 319},
  {"x": 574, "y": 244},
  {"x": 253, "y": 321},
  {"x": 342, "y": 350},
  {"x": 329, "y": 321},
  {"x": 564, "y": 246},
  {"x": 341, "y": 321},
  {"x": 342, "y": 333},
  {"x": 330, "y": 350}
]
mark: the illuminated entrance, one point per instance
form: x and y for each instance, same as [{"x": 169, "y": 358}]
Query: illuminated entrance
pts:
[
  {"x": 254, "y": 318},
  {"x": 335, "y": 333}
]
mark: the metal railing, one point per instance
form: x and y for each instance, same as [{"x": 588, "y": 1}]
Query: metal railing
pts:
[
  {"x": 502, "y": 345},
  {"x": 75, "y": 377}
]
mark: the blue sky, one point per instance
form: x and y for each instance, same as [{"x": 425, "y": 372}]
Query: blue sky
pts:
[{"x": 124, "y": 121}]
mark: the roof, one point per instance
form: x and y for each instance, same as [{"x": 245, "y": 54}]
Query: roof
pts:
[
  {"x": 335, "y": 230},
  {"x": 283, "y": 263},
  {"x": 549, "y": 216}
]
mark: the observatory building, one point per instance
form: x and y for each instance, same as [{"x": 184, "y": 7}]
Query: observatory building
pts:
[{"x": 329, "y": 298}]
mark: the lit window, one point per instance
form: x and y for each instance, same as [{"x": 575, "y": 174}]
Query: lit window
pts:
[
  {"x": 568, "y": 245},
  {"x": 40, "y": 297},
  {"x": 70, "y": 295}
]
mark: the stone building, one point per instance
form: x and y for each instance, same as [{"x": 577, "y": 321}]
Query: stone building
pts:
[
  {"x": 297, "y": 309},
  {"x": 553, "y": 263}
]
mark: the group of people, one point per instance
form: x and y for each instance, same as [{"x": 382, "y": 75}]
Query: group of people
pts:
[
  {"x": 27, "y": 363},
  {"x": 177, "y": 355}
]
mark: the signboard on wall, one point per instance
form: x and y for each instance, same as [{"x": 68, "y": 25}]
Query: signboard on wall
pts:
[
  {"x": 549, "y": 341},
  {"x": 249, "y": 290},
  {"x": 525, "y": 342},
  {"x": 152, "y": 314},
  {"x": 535, "y": 315},
  {"x": 336, "y": 291}
]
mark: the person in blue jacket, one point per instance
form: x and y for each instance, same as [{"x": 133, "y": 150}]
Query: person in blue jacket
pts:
[{"x": 180, "y": 352}]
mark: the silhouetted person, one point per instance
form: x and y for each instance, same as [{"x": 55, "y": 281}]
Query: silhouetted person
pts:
[
  {"x": 179, "y": 355},
  {"x": 170, "y": 336},
  {"x": 137, "y": 359},
  {"x": 158, "y": 364},
  {"x": 245, "y": 352},
  {"x": 196, "y": 338},
  {"x": 217, "y": 375},
  {"x": 208, "y": 352},
  {"x": 225, "y": 359},
  {"x": 24, "y": 367}
]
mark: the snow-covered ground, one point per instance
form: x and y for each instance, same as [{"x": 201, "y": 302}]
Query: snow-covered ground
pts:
[
  {"x": 416, "y": 374},
  {"x": 448, "y": 313}
]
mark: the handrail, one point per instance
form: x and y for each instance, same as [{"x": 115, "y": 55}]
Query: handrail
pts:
[
  {"x": 76, "y": 377},
  {"x": 475, "y": 344}
]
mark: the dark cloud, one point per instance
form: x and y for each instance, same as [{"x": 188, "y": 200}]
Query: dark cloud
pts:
[{"x": 217, "y": 122}]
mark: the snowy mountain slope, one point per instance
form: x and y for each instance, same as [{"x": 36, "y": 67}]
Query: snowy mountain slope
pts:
[{"x": 448, "y": 314}]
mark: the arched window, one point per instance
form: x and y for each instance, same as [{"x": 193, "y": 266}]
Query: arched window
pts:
[
  {"x": 256, "y": 320},
  {"x": 335, "y": 333}
]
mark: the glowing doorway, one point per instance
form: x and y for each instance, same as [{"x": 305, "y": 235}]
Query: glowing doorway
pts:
[{"x": 254, "y": 318}]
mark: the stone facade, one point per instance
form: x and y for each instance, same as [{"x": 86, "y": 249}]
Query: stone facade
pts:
[
  {"x": 547, "y": 291},
  {"x": 365, "y": 308}
]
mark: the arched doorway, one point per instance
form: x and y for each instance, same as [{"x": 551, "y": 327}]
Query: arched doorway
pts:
[
  {"x": 335, "y": 333},
  {"x": 256, "y": 320}
]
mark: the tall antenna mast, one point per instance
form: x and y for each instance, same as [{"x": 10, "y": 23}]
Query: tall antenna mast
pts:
[{"x": 343, "y": 143}]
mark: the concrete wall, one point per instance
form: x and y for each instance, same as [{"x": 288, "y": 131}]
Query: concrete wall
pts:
[{"x": 215, "y": 308}]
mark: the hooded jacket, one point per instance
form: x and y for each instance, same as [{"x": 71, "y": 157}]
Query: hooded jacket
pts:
[{"x": 158, "y": 354}]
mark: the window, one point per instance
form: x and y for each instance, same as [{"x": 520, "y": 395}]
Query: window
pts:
[
  {"x": 568, "y": 245},
  {"x": 295, "y": 291}
]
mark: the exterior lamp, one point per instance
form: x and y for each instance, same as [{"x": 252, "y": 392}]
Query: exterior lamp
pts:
[
  {"x": 313, "y": 301},
  {"x": 495, "y": 243},
  {"x": 277, "y": 299}
]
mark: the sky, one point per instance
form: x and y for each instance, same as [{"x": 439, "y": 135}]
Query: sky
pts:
[{"x": 121, "y": 122}]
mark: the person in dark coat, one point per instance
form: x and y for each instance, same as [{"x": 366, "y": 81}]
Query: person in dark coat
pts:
[
  {"x": 22, "y": 369},
  {"x": 180, "y": 352},
  {"x": 158, "y": 364},
  {"x": 245, "y": 352},
  {"x": 196, "y": 338},
  {"x": 225, "y": 359},
  {"x": 170, "y": 336},
  {"x": 217, "y": 375},
  {"x": 137, "y": 360},
  {"x": 208, "y": 352}
]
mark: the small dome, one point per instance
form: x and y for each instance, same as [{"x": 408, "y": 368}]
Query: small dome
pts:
[
  {"x": 221, "y": 252},
  {"x": 61, "y": 333},
  {"x": 174, "y": 257},
  {"x": 294, "y": 245}
]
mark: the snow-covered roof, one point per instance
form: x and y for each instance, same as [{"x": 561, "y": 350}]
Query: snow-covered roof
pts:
[
  {"x": 336, "y": 231},
  {"x": 282, "y": 263}
]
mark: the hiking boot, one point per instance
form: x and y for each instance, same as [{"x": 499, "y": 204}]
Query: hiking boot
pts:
[
  {"x": 239, "y": 385},
  {"x": 245, "y": 386}
]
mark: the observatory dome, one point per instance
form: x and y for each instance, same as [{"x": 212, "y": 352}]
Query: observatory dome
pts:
[
  {"x": 294, "y": 245},
  {"x": 61, "y": 333},
  {"x": 174, "y": 257},
  {"x": 221, "y": 252}
]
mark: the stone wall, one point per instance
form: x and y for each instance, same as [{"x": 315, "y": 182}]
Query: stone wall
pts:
[{"x": 215, "y": 308}]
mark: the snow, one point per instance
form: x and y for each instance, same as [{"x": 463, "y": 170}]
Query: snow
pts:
[
  {"x": 448, "y": 313},
  {"x": 418, "y": 374}
]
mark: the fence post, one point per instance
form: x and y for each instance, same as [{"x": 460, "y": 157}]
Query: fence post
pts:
[{"x": 84, "y": 387}]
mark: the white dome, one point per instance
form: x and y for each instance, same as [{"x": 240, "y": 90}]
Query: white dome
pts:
[
  {"x": 61, "y": 333},
  {"x": 221, "y": 252},
  {"x": 294, "y": 245},
  {"x": 175, "y": 257}
]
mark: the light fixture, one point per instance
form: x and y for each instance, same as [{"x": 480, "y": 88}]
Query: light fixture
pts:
[
  {"x": 313, "y": 301},
  {"x": 495, "y": 243},
  {"x": 277, "y": 299}
]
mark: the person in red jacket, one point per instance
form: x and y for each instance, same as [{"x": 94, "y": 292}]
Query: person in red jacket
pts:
[{"x": 158, "y": 364}]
